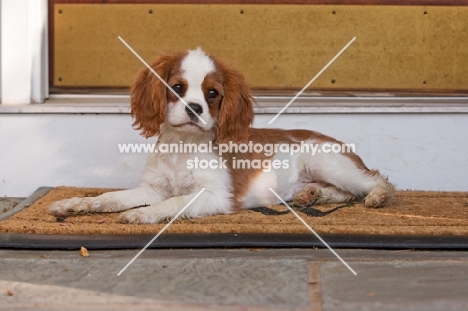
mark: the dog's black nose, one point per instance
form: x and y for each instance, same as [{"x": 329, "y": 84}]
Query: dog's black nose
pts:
[{"x": 195, "y": 107}]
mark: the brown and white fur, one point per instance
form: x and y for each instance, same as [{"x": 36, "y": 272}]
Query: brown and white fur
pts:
[{"x": 221, "y": 97}]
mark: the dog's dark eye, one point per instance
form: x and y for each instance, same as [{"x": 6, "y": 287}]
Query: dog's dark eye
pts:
[
  {"x": 212, "y": 94},
  {"x": 178, "y": 89}
]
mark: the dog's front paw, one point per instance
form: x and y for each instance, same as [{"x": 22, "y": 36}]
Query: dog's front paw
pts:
[
  {"x": 307, "y": 196},
  {"x": 73, "y": 206},
  {"x": 138, "y": 216}
]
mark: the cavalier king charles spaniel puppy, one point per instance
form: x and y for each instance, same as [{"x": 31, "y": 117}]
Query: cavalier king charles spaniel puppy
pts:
[{"x": 209, "y": 103}]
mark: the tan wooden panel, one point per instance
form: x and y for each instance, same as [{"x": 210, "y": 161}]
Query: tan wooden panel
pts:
[{"x": 275, "y": 46}]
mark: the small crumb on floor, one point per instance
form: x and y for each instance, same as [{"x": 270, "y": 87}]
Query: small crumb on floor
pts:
[
  {"x": 84, "y": 252},
  {"x": 10, "y": 293}
]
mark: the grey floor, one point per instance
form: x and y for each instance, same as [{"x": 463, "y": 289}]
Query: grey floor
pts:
[{"x": 233, "y": 279}]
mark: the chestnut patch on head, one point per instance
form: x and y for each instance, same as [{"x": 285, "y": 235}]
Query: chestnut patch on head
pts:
[
  {"x": 178, "y": 85},
  {"x": 149, "y": 96},
  {"x": 213, "y": 91},
  {"x": 236, "y": 109}
]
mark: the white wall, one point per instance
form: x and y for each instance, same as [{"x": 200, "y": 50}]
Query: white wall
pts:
[
  {"x": 416, "y": 151},
  {"x": 23, "y": 61}
]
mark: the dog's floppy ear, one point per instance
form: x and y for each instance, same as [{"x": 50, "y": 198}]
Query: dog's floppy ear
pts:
[
  {"x": 236, "y": 111},
  {"x": 149, "y": 95}
]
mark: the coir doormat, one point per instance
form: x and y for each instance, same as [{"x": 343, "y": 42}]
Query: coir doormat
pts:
[{"x": 416, "y": 219}]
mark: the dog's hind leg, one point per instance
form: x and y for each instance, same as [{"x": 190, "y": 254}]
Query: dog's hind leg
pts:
[
  {"x": 317, "y": 194},
  {"x": 381, "y": 194},
  {"x": 350, "y": 178}
]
